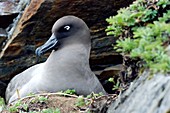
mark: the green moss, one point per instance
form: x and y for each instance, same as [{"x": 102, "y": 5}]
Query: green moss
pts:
[{"x": 143, "y": 30}]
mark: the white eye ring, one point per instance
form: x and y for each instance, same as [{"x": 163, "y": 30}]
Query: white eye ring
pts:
[{"x": 67, "y": 27}]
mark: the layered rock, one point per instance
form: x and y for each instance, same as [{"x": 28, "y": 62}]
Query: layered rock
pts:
[
  {"x": 34, "y": 28},
  {"x": 8, "y": 11}
]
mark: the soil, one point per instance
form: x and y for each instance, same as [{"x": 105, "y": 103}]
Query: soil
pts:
[{"x": 64, "y": 102}]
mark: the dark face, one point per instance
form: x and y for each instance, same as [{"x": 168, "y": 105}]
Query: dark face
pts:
[
  {"x": 67, "y": 29},
  {"x": 64, "y": 31}
]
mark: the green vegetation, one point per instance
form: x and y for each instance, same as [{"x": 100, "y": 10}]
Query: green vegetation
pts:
[
  {"x": 80, "y": 101},
  {"x": 2, "y": 104},
  {"x": 20, "y": 106},
  {"x": 84, "y": 101},
  {"x": 69, "y": 91},
  {"x": 39, "y": 103},
  {"x": 49, "y": 110},
  {"x": 94, "y": 95},
  {"x": 144, "y": 31},
  {"x": 15, "y": 107},
  {"x": 42, "y": 99},
  {"x": 116, "y": 85},
  {"x": 38, "y": 99}
]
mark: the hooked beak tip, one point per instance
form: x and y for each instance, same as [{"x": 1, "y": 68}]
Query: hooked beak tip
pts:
[
  {"x": 51, "y": 43},
  {"x": 38, "y": 52}
]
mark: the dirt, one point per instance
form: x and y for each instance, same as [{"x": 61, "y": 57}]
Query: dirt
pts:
[{"x": 65, "y": 103}]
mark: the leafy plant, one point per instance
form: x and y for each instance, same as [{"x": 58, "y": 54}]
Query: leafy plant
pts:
[
  {"x": 94, "y": 95},
  {"x": 116, "y": 85},
  {"x": 80, "y": 101},
  {"x": 42, "y": 99},
  {"x": 25, "y": 106},
  {"x": 49, "y": 110},
  {"x": 144, "y": 31},
  {"x": 2, "y": 104},
  {"x": 14, "y": 108},
  {"x": 70, "y": 91}
]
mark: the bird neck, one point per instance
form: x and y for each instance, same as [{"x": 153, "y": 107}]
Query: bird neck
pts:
[{"x": 76, "y": 53}]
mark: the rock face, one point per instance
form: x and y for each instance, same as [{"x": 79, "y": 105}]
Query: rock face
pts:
[
  {"x": 8, "y": 11},
  {"x": 145, "y": 96},
  {"x": 34, "y": 28},
  {"x": 3, "y": 36}
]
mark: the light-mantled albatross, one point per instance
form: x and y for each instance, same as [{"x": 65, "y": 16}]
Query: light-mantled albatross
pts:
[{"x": 67, "y": 67}]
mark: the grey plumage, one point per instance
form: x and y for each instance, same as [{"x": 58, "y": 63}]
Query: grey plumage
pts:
[{"x": 66, "y": 68}]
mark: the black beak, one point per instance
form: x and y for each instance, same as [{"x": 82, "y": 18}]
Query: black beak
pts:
[{"x": 49, "y": 45}]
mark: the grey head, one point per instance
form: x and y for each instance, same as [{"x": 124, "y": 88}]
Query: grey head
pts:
[{"x": 66, "y": 31}]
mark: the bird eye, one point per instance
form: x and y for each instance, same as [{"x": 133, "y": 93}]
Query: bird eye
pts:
[
  {"x": 67, "y": 28},
  {"x": 64, "y": 29}
]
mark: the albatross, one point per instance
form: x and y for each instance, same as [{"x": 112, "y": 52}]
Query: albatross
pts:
[{"x": 67, "y": 67}]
